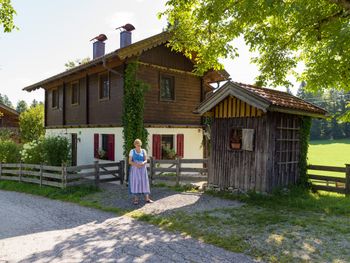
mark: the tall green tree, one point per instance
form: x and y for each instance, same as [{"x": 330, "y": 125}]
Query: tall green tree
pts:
[
  {"x": 31, "y": 123},
  {"x": 22, "y": 106},
  {"x": 284, "y": 34},
  {"x": 5, "y": 100},
  {"x": 6, "y": 15}
]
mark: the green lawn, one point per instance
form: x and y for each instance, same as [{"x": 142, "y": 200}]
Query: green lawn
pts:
[{"x": 329, "y": 152}]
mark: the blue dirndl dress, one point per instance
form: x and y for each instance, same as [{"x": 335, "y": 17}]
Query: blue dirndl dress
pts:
[{"x": 138, "y": 177}]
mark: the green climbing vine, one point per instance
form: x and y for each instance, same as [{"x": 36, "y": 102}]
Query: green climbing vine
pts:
[
  {"x": 305, "y": 127},
  {"x": 133, "y": 107}
]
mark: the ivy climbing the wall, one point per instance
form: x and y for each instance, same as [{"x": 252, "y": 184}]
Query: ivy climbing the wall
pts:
[
  {"x": 133, "y": 108},
  {"x": 305, "y": 127}
]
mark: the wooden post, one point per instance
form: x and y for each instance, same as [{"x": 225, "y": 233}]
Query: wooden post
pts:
[
  {"x": 126, "y": 172},
  {"x": 151, "y": 168},
  {"x": 347, "y": 184},
  {"x": 41, "y": 175},
  {"x": 178, "y": 170},
  {"x": 63, "y": 172},
  {"x": 121, "y": 171},
  {"x": 0, "y": 170},
  {"x": 97, "y": 174},
  {"x": 20, "y": 172}
]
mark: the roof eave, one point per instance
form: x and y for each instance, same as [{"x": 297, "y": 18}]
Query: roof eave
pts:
[{"x": 298, "y": 112}]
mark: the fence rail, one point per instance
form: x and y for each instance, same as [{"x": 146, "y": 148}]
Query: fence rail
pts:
[
  {"x": 62, "y": 176},
  {"x": 177, "y": 167},
  {"x": 330, "y": 183}
]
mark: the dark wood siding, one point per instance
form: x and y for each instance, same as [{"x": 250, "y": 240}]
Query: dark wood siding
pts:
[
  {"x": 55, "y": 115},
  {"x": 106, "y": 112},
  {"x": 163, "y": 56},
  {"x": 180, "y": 111},
  {"x": 75, "y": 114},
  {"x": 8, "y": 119}
]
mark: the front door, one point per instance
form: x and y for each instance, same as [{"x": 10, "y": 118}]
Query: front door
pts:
[{"x": 74, "y": 148}]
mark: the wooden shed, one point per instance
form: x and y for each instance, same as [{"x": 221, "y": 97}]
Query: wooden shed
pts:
[
  {"x": 9, "y": 118},
  {"x": 255, "y": 142}
]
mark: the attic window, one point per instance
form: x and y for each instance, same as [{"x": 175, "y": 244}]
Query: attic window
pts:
[
  {"x": 104, "y": 88},
  {"x": 242, "y": 139},
  {"x": 167, "y": 88},
  {"x": 54, "y": 102},
  {"x": 75, "y": 93}
]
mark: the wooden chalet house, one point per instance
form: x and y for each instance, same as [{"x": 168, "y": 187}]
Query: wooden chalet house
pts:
[
  {"x": 255, "y": 136},
  {"x": 85, "y": 103},
  {"x": 9, "y": 118}
]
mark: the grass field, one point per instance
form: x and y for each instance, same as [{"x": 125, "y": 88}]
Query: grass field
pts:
[{"x": 329, "y": 152}]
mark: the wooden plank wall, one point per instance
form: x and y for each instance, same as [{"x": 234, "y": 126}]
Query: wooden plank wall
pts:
[
  {"x": 273, "y": 162},
  {"x": 233, "y": 107}
]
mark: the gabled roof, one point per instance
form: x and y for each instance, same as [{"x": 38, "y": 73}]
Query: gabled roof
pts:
[
  {"x": 123, "y": 53},
  {"x": 262, "y": 98},
  {"x": 8, "y": 109}
]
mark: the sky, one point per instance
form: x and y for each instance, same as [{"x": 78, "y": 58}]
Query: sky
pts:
[{"x": 54, "y": 32}]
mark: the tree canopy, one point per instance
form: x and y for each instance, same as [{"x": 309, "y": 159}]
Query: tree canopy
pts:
[
  {"x": 6, "y": 15},
  {"x": 285, "y": 34},
  {"x": 74, "y": 63}
]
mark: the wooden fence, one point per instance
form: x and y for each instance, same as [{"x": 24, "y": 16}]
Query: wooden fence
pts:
[
  {"x": 331, "y": 183},
  {"x": 178, "y": 167},
  {"x": 62, "y": 176}
]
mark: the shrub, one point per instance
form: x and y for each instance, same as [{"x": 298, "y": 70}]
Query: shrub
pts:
[
  {"x": 50, "y": 150},
  {"x": 10, "y": 152},
  {"x": 31, "y": 123},
  {"x": 56, "y": 150},
  {"x": 32, "y": 152}
]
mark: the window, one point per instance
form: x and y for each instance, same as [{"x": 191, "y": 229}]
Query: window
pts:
[
  {"x": 242, "y": 139},
  {"x": 104, "y": 86},
  {"x": 75, "y": 93},
  {"x": 107, "y": 149},
  {"x": 167, "y": 88},
  {"x": 54, "y": 102},
  {"x": 167, "y": 143}
]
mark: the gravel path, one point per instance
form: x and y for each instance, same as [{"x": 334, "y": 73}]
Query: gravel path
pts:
[
  {"x": 35, "y": 229},
  {"x": 166, "y": 200}
]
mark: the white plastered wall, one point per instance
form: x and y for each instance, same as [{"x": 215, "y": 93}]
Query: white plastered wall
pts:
[{"x": 85, "y": 148}]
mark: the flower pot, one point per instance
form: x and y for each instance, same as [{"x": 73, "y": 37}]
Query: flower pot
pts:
[{"x": 235, "y": 145}]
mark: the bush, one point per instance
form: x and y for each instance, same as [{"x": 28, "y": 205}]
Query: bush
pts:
[
  {"x": 32, "y": 152},
  {"x": 10, "y": 152},
  {"x": 56, "y": 150},
  {"x": 31, "y": 123},
  {"x": 51, "y": 151}
]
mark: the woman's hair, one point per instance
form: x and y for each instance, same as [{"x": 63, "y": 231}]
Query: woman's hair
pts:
[{"x": 138, "y": 141}]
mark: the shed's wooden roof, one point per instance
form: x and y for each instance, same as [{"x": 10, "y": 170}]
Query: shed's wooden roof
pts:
[
  {"x": 134, "y": 49},
  {"x": 262, "y": 98}
]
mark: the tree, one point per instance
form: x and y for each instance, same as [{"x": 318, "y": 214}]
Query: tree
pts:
[
  {"x": 72, "y": 64},
  {"x": 6, "y": 15},
  {"x": 21, "y": 106},
  {"x": 284, "y": 33},
  {"x": 31, "y": 123},
  {"x": 5, "y": 100}
]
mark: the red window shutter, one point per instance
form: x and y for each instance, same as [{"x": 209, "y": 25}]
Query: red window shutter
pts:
[
  {"x": 156, "y": 146},
  {"x": 180, "y": 145},
  {"x": 96, "y": 141},
  {"x": 110, "y": 151}
]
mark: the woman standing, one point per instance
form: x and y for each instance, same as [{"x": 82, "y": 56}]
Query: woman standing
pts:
[{"x": 138, "y": 178}]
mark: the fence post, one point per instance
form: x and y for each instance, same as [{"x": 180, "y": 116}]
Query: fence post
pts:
[
  {"x": 20, "y": 171},
  {"x": 0, "y": 170},
  {"x": 63, "y": 175},
  {"x": 97, "y": 174},
  {"x": 151, "y": 168},
  {"x": 126, "y": 171},
  {"x": 121, "y": 171},
  {"x": 41, "y": 175},
  {"x": 347, "y": 184},
  {"x": 178, "y": 170}
]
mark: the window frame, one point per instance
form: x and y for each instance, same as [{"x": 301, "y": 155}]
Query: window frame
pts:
[
  {"x": 100, "y": 92},
  {"x": 161, "y": 146},
  {"x": 55, "y": 99},
  {"x": 77, "y": 93},
  {"x": 172, "y": 78}
]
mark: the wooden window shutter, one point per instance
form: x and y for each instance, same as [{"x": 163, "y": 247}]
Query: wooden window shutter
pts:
[
  {"x": 180, "y": 145},
  {"x": 156, "y": 146},
  {"x": 96, "y": 144},
  {"x": 248, "y": 139},
  {"x": 111, "y": 143}
]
